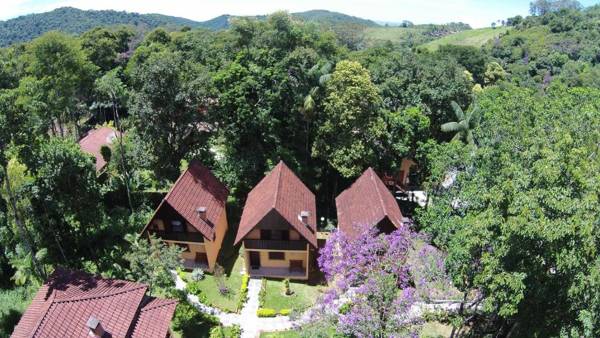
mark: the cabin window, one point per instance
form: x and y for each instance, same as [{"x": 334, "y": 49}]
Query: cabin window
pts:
[
  {"x": 265, "y": 234},
  {"x": 177, "y": 226},
  {"x": 277, "y": 256},
  {"x": 285, "y": 235}
]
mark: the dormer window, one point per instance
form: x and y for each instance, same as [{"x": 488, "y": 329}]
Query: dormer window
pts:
[{"x": 177, "y": 226}]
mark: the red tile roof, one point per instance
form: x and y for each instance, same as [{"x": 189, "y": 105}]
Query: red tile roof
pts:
[
  {"x": 63, "y": 305},
  {"x": 150, "y": 322},
  {"x": 366, "y": 202},
  {"x": 198, "y": 187},
  {"x": 281, "y": 190},
  {"x": 94, "y": 140}
]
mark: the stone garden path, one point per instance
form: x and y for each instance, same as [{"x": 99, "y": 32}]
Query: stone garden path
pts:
[{"x": 247, "y": 319}]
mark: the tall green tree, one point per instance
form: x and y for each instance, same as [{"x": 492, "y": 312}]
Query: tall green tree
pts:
[
  {"x": 113, "y": 92},
  {"x": 13, "y": 129},
  {"x": 520, "y": 222},
  {"x": 351, "y": 124},
  {"x": 151, "y": 262},
  {"x": 63, "y": 78},
  {"x": 65, "y": 199},
  {"x": 168, "y": 110}
]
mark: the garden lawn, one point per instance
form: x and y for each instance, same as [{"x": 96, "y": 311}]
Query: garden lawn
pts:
[
  {"x": 210, "y": 289},
  {"x": 281, "y": 334},
  {"x": 13, "y": 303},
  {"x": 471, "y": 37},
  {"x": 303, "y": 297},
  {"x": 435, "y": 330}
]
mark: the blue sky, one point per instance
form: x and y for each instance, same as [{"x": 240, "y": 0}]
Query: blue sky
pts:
[{"x": 478, "y": 13}]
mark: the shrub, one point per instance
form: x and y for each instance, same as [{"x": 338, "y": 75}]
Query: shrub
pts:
[
  {"x": 197, "y": 274},
  {"x": 182, "y": 275},
  {"x": 264, "y": 312},
  {"x": 217, "y": 332},
  {"x": 286, "y": 287},
  {"x": 234, "y": 331},
  {"x": 194, "y": 288},
  {"x": 243, "y": 292},
  {"x": 285, "y": 312},
  {"x": 187, "y": 319}
]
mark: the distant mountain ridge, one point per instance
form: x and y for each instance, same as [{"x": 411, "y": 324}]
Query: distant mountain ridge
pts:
[{"x": 77, "y": 21}]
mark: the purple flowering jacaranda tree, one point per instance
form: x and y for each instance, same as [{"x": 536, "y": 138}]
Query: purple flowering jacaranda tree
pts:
[{"x": 370, "y": 293}]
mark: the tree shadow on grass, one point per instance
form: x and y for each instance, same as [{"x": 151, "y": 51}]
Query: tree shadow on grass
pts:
[{"x": 8, "y": 320}]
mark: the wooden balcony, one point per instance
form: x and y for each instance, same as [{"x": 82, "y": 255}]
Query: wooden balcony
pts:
[
  {"x": 269, "y": 244},
  {"x": 194, "y": 237}
]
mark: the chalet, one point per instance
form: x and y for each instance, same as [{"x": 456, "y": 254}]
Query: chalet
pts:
[
  {"x": 368, "y": 202},
  {"x": 278, "y": 226},
  {"x": 76, "y": 304},
  {"x": 193, "y": 216},
  {"x": 94, "y": 140}
]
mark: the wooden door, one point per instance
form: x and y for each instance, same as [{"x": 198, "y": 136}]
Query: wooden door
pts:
[
  {"x": 201, "y": 258},
  {"x": 254, "y": 260}
]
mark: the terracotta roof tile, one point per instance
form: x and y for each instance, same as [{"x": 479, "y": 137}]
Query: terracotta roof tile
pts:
[
  {"x": 366, "y": 201},
  {"x": 63, "y": 305},
  {"x": 94, "y": 140},
  {"x": 151, "y": 321},
  {"x": 198, "y": 187},
  {"x": 283, "y": 191}
]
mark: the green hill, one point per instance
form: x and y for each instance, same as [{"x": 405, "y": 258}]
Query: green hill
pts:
[
  {"x": 333, "y": 18},
  {"x": 76, "y": 21},
  {"x": 412, "y": 35},
  {"x": 473, "y": 37}
]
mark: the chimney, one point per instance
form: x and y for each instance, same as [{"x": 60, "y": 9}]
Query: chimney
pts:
[
  {"x": 96, "y": 329},
  {"x": 201, "y": 212},
  {"x": 304, "y": 216}
]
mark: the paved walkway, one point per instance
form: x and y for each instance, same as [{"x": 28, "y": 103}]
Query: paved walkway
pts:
[{"x": 247, "y": 319}]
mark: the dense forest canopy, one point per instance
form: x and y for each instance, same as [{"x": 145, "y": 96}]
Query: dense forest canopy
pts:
[{"x": 515, "y": 123}]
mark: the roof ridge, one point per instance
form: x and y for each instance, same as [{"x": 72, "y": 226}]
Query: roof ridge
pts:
[
  {"x": 372, "y": 172},
  {"x": 165, "y": 302},
  {"x": 47, "y": 305},
  {"x": 176, "y": 182},
  {"x": 110, "y": 294},
  {"x": 278, "y": 167}
]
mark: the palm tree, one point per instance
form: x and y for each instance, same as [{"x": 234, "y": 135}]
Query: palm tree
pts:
[
  {"x": 319, "y": 74},
  {"x": 465, "y": 125}
]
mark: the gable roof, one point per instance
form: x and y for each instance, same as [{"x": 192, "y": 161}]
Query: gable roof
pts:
[
  {"x": 150, "y": 321},
  {"x": 94, "y": 140},
  {"x": 63, "y": 305},
  {"x": 283, "y": 191},
  {"x": 366, "y": 202},
  {"x": 197, "y": 187}
]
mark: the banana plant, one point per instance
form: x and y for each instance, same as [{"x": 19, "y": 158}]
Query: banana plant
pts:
[{"x": 465, "y": 124}]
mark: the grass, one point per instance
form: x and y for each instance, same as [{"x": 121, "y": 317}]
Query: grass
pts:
[
  {"x": 472, "y": 37},
  {"x": 304, "y": 295},
  {"x": 435, "y": 330},
  {"x": 233, "y": 280},
  {"x": 281, "y": 334},
  {"x": 397, "y": 35},
  {"x": 13, "y": 303}
]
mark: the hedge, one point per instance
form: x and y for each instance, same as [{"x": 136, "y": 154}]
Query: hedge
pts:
[
  {"x": 243, "y": 292},
  {"x": 264, "y": 312}
]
